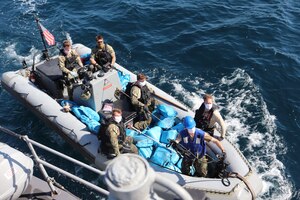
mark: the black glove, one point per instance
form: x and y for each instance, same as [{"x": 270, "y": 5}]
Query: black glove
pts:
[
  {"x": 98, "y": 67},
  {"x": 146, "y": 109},
  {"x": 223, "y": 155},
  {"x": 106, "y": 67},
  {"x": 172, "y": 143}
]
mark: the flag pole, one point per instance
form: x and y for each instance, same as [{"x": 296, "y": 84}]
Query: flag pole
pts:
[{"x": 45, "y": 51}]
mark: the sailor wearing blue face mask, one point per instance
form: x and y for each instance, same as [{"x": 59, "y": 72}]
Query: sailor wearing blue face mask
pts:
[{"x": 208, "y": 115}]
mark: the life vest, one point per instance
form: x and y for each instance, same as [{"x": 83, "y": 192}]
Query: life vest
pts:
[
  {"x": 106, "y": 146},
  {"x": 202, "y": 120},
  {"x": 102, "y": 56},
  {"x": 145, "y": 93},
  {"x": 70, "y": 62},
  {"x": 197, "y": 146}
]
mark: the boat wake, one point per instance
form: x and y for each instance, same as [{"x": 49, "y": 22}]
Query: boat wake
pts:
[{"x": 250, "y": 125}]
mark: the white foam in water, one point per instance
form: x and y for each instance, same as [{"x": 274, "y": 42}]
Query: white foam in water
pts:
[
  {"x": 11, "y": 53},
  {"x": 29, "y": 6},
  {"x": 248, "y": 119},
  {"x": 68, "y": 37}
]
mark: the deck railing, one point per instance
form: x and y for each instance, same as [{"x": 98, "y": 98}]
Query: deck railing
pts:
[{"x": 178, "y": 190}]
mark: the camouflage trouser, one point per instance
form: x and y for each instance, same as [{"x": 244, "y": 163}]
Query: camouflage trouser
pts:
[
  {"x": 144, "y": 119},
  {"x": 199, "y": 164},
  {"x": 141, "y": 125},
  {"x": 152, "y": 104},
  {"x": 128, "y": 146},
  {"x": 68, "y": 87},
  {"x": 116, "y": 147}
]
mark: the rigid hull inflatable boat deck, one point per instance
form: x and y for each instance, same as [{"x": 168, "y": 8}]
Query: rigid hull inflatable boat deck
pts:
[{"x": 42, "y": 96}]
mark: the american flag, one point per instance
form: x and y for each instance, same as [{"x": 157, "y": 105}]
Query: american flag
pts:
[{"x": 47, "y": 35}]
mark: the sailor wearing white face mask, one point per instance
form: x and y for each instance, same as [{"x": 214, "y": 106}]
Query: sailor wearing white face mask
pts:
[
  {"x": 208, "y": 115},
  {"x": 193, "y": 139},
  {"x": 142, "y": 101},
  {"x": 114, "y": 140},
  {"x": 69, "y": 61}
]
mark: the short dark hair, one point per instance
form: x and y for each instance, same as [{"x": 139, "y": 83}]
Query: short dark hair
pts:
[
  {"x": 99, "y": 37},
  {"x": 141, "y": 76}
]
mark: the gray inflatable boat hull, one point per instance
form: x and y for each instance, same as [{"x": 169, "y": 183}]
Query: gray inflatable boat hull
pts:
[{"x": 76, "y": 133}]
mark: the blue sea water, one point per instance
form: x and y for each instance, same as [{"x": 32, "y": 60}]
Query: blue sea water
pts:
[{"x": 246, "y": 53}]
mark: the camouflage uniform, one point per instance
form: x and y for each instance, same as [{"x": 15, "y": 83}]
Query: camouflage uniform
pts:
[
  {"x": 103, "y": 47},
  {"x": 67, "y": 69},
  {"x": 113, "y": 133},
  {"x": 146, "y": 119}
]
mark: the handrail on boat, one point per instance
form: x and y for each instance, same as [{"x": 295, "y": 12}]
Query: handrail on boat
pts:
[
  {"x": 42, "y": 163},
  {"x": 179, "y": 191}
]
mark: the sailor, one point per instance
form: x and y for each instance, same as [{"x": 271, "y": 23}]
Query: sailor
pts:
[
  {"x": 193, "y": 139},
  {"x": 142, "y": 101},
  {"x": 103, "y": 56},
  {"x": 69, "y": 61},
  {"x": 208, "y": 115},
  {"x": 113, "y": 139}
]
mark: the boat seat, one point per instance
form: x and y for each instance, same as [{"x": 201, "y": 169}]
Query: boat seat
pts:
[
  {"x": 50, "y": 77},
  {"x": 128, "y": 112},
  {"x": 50, "y": 69}
]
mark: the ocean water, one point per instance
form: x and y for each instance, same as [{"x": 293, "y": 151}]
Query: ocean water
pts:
[{"x": 246, "y": 53}]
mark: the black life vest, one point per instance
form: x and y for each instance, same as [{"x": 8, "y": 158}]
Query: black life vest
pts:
[
  {"x": 145, "y": 93},
  {"x": 202, "y": 120},
  {"x": 102, "y": 56},
  {"x": 106, "y": 146},
  {"x": 128, "y": 88},
  {"x": 70, "y": 62}
]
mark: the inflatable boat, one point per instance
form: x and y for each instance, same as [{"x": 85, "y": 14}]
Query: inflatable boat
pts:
[{"x": 41, "y": 89}]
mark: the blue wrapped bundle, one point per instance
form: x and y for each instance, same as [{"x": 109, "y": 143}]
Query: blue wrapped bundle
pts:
[
  {"x": 144, "y": 143},
  {"x": 179, "y": 163},
  {"x": 156, "y": 116},
  {"x": 174, "y": 157},
  {"x": 163, "y": 156},
  {"x": 168, "y": 135},
  {"x": 146, "y": 152},
  {"x": 154, "y": 132},
  {"x": 166, "y": 111},
  {"x": 173, "y": 167},
  {"x": 86, "y": 115},
  {"x": 131, "y": 133},
  {"x": 124, "y": 79},
  {"x": 166, "y": 123},
  {"x": 179, "y": 127}
]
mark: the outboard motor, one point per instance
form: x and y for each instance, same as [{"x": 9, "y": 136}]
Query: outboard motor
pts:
[{"x": 15, "y": 172}]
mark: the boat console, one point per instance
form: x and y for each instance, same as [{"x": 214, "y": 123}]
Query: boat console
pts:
[
  {"x": 101, "y": 86},
  {"x": 101, "y": 90}
]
